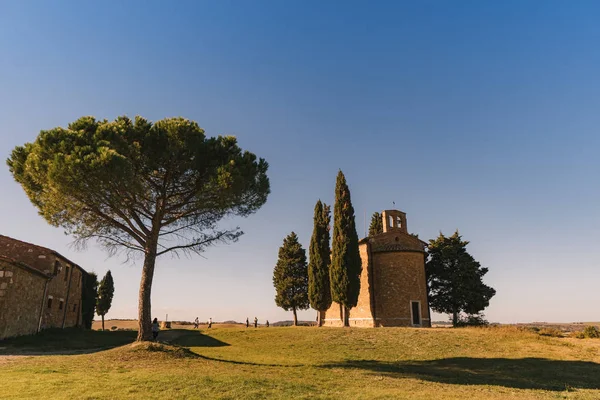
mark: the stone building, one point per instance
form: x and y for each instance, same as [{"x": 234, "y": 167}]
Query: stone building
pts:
[
  {"x": 39, "y": 289},
  {"x": 393, "y": 286}
]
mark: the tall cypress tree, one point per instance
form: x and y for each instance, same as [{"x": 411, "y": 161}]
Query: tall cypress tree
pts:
[
  {"x": 345, "y": 258},
  {"x": 290, "y": 277},
  {"x": 106, "y": 290},
  {"x": 376, "y": 226},
  {"x": 319, "y": 291},
  {"x": 89, "y": 294}
]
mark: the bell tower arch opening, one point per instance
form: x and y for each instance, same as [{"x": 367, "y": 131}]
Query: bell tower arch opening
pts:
[{"x": 394, "y": 220}]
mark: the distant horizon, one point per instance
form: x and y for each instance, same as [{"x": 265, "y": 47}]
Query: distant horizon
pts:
[{"x": 449, "y": 321}]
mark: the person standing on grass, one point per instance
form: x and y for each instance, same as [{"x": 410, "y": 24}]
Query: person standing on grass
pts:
[
  {"x": 247, "y": 322},
  {"x": 255, "y": 322},
  {"x": 210, "y": 322},
  {"x": 155, "y": 329},
  {"x": 267, "y": 323},
  {"x": 196, "y": 323}
]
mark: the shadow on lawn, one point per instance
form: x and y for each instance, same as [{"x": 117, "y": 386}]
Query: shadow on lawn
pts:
[
  {"x": 78, "y": 341},
  {"x": 190, "y": 338},
  {"x": 253, "y": 364},
  {"x": 65, "y": 342},
  {"x": 522, "y": 373}
]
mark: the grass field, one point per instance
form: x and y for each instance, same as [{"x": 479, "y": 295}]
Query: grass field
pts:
[{"x": 282, "y": 363}]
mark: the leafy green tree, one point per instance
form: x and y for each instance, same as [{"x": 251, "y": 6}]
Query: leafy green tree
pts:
[
  {"x": 376, "y": 226},
  {"x": 319, "y": 290},
  {"x": 106, "y": 291},
  {"x": 141, "y": 187},
  {"x": 89, "y": 292},
  {"x": 290, "y": 277},
  {"x": 455, "y": 279},
  {"x": 346, "y": 264}
]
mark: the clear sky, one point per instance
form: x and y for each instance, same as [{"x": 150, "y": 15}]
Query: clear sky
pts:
[{"x": 470, "y": 115}]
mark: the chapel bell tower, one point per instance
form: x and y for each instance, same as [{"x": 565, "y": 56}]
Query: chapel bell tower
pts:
[{"x": 394, "y": 220}]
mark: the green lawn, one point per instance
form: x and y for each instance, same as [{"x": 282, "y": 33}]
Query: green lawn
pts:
[{"x": 234, "y": 363}]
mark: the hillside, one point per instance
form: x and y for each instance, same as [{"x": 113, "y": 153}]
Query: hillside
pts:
[{"x": 228, "y": 363}]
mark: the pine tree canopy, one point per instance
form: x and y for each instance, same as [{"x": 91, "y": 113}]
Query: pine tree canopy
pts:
[
  {"x": 319, "y": 291},
  {"x": 141, "y": 187},
  {"x": 454, "y": 278},
  {"x": 345, "y": 257},
  {"x": 290, "y": 275}
]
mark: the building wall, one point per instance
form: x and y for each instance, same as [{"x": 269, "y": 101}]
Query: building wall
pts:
[
  {"x": 61, "y": 293},
  {"x": 73, "y": 313},
  {"x": 64, "y": 287},
  {"x": 21, "y": 295},
  {"x": 393, "y": 275},
  {"x": 362, "y": 314},
  {"x": 399, "y": 278}
]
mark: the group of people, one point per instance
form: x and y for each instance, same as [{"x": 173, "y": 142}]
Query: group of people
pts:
[
  {"x": 255, "y": 323},
  {"x": 156, "y": 327},
  {"x": 197, "y": 323}
]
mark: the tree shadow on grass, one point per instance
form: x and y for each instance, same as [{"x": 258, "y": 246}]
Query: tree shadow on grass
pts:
[
  {"x": 253, "y": 364},
  {"x": 190, "y": 338},
  {"x": 521, "y": 373},
  {"x": 65, "y": 342},
  {"x": 78, "y": 341}
]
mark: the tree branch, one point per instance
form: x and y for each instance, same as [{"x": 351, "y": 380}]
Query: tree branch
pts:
[{"x": 225, "y": 235}]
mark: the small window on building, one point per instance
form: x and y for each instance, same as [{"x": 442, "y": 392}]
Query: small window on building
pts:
[
  {"x": 56, "y": 267},
  {"x": 399, "y": 222},
  {"x": 416, "y": 312},
  {"x": 49, "y": 302},
  {"x": 74, "y": 307},
  {"x": 391, "y": 221},
  {"x": 67, "y": 269},
  {"x": 61, "y": 303}
]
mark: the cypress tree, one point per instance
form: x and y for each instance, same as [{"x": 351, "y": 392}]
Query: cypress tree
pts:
[
  {"x": 105, "y": 295},
  {"x": 290, "y": 277},
  {"x": 345, "y": 261},
  {"x": 376, "y": 226},
  {"x": 319, "y": 291},
  {"x": 89, "y": 294}
]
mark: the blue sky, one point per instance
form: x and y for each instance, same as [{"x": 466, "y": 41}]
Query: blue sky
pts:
[{"x": 477, "y": 116}]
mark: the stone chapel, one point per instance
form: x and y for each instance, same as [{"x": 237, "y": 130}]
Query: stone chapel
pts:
[{"x": 393, "y": 287}]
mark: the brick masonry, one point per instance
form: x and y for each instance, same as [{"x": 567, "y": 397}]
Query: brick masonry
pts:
[
  {"x": 21, "y": 296},
  {"x": 392, "y": 278},
  {"x": 61, "y": 290}
]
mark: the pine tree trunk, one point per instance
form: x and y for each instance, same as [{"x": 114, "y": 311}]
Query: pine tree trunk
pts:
[
  {"x": 102, "y": 321},
  {"x": 144, "y": 311},
  {"x": 319, "y": 318},
  {"x": 455, "y": 318},
  {"x": 295, "y": 317}
]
